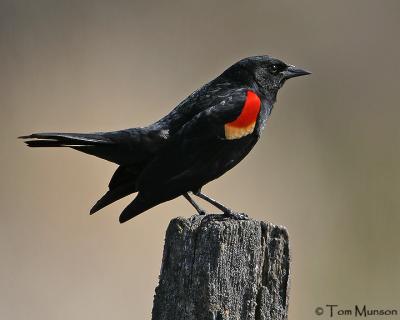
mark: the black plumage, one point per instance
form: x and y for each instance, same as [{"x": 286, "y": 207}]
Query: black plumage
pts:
[{"x": 206, "y": 135}]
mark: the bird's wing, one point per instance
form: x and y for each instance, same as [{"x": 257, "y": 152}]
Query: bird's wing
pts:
[
  {"x": 123, "y": 183},
  {"x": 198, "y": 139},
  {"x": 198, "y": 153},
  {"x": 217, "y": 138},
  {"x": 211, "y": 121}
]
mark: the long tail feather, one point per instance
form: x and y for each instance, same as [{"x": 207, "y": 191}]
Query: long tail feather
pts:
[
  {"x": 65, "y": 139},
  {"x": 43, "y": 143}
]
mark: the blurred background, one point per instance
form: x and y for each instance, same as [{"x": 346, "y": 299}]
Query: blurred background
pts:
[{"x": 327, "y": 166}]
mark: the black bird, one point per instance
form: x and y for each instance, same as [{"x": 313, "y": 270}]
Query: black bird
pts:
[{"x": 206, "y": 135}]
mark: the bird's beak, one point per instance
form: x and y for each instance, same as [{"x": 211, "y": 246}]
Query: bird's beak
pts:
[{"x": 292, "y": 72}]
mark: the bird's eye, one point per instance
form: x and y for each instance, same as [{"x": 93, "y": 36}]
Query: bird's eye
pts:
[{"x": 274, "y": 69}]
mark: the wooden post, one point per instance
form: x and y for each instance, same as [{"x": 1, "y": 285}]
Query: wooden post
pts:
[{"x": 215, "y": 268}]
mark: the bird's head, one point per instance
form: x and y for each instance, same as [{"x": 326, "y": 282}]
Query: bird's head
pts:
[{"x": 266, "y": 73}]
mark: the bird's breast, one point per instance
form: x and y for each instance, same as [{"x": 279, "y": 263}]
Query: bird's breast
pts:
[{"x": 245, "y": 123}]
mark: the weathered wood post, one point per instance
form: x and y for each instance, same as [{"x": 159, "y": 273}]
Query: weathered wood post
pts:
[{"x": 215, "y": 268}]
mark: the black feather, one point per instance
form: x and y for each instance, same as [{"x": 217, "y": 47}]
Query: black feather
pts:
[
  {"x": 43, "y": 143},
  {"x": 68, "y": 139},
  {"x": 112, "y": 196}
]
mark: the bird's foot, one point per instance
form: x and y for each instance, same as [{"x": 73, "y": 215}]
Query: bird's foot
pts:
[
  {"x": 236, "y": 215},
  {"x": 202, "y": 212}
]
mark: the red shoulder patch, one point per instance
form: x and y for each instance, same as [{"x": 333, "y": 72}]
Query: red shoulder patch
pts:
[
  {"x": 249, "y": 112},
  {"x": 246, "y": 122}
]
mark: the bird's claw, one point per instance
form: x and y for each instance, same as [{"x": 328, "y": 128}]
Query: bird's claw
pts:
[{"x": 236, "y": 215}]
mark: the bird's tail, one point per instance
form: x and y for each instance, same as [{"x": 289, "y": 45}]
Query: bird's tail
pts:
[
  {"x": 123, "y": 147},
  {"x": 53, "y": 139},
  {"x": 102, "y": 145}
]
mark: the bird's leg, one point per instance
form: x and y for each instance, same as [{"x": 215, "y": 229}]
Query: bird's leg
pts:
[
  {"x": 194, "y": 204},
  {"x": 227, "y": 212}
]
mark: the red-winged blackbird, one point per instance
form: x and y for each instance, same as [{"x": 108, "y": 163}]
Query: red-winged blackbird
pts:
[{"x": 206, "y": 135}]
